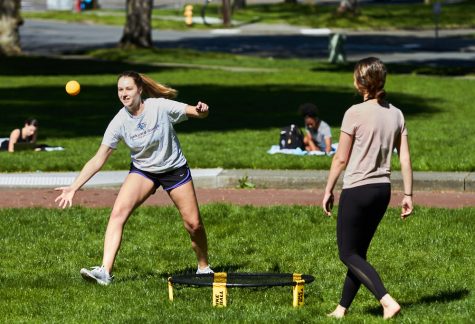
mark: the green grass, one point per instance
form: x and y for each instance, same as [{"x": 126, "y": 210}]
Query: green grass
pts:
[
  {"x": 110, "y": 17},
  {"x": 372, "y": 16},
  {"x": 426, "y": 263},
  {"x": 247, "y": 108}
]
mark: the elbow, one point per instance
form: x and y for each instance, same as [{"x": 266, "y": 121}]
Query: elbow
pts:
[
  {"x": 97, "y": 162},
  {"x": 340, "y": 162}
]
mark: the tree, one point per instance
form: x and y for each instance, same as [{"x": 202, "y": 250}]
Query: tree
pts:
[
  {"x": 226, "y": 12},
  {"x": 138, "y": 25},
  {"x": 10, "y": 22}
]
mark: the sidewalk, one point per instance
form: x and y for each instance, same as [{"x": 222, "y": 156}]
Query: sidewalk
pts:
[
  {"x": 224, "y": 179},
  {"x": 452, "y": 47}
]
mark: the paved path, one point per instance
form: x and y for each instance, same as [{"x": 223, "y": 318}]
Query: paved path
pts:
[
  {"x": 452, "y": 47},
  {"x": 22, "y": 198},
  {"x": 285, "y": 187}
]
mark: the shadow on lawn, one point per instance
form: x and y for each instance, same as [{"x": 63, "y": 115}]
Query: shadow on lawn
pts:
[
  {"x": 220, "y": 268},
  {"x": 46, "y": 66},
  {"x": 436, "y": 67},
  {"x": 442, "y": 297},
  {"x": 232, "y": 107},
  {"x": 188, "y": 270},
  {"x": 446, "y": 296}
]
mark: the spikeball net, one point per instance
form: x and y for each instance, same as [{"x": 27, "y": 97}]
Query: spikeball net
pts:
[{"x": 220, "y": 281}]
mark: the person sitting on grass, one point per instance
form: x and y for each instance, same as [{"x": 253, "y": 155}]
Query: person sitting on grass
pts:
[
  {"x": 27, "y": 134},
  {"x": 318, "y": 136},
  {"x": 146, "y": 127}
]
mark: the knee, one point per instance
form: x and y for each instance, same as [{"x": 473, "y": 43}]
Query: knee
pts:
[
  {"x": 119, "y": 215},
  {"x": 194, "y": 226},
  {"x": 345, "y": 257}
]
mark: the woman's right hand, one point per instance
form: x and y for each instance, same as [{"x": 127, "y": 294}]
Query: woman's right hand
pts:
[{"x": 66, "y": 197}]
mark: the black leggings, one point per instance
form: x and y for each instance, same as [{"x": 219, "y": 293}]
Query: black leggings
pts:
[{"x": 359, "y": 213}]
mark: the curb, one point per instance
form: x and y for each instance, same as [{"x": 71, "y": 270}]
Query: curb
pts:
[
  {"x": 219, "y": 178},
  {"x": 311, "y": 179}
]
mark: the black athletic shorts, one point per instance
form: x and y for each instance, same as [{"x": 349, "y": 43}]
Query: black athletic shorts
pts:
[{"x": 168, "y": 180}]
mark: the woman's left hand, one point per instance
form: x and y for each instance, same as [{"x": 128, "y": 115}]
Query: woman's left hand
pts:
[
  {"x": 201, "y": 107},
  {"x": 327, "y": 203}
]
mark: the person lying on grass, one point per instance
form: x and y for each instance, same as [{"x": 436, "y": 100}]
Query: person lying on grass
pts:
[{"x": 27, "y": 134}]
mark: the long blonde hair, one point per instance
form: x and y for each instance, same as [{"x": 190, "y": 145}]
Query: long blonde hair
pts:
[{"x": 150, "y": 87}]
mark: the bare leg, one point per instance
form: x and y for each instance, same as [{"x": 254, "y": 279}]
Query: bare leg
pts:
[
  {"x": 390, "y": 306},
  {"x": 134, "y": 191},
  {"x": 184, "y": 198}
]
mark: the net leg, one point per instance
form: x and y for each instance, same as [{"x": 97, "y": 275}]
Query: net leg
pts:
[
  {"x": 220, "y": 290},
  {"x": 298, "y": 293},
  {"x": 170, "y": 289},
  {"x": 220, "y": 293}
]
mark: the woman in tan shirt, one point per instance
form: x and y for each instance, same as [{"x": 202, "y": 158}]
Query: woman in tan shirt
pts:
[{"x": 369, "y": 133}]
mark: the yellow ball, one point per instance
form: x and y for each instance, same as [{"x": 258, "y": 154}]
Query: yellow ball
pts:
[{"x": 73, "y": 88}]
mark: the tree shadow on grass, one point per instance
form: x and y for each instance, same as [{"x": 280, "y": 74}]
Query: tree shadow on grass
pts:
[
  {"x": 232, "y": 108},
  {"x": 271, "y": 106},
  {"x": 446, "y": 296},
  {"x": 46, "y": 66},
  {"x": 250, "y": 107},
  {"x": 439, "y": 67}
]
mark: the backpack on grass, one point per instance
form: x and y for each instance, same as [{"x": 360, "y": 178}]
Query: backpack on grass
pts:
[{"x": 291, "y": 137}]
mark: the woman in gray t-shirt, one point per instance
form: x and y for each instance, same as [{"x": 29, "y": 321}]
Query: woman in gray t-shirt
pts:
[
  {"x": 369, "y": 133},
  {"x": 146, "y": 127}
]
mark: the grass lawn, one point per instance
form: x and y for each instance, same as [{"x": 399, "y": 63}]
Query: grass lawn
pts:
[
  {"x": 247, "y": 108},
  {"x": 426, "y": 263},
  {"x": 372, "y": 16}
]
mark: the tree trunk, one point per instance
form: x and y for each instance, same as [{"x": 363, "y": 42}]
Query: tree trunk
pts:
[
  {"x": 10, "y": 21},
  {"x": 290, "y": 1},
  {"x": 138, "y": 25},
  {"x": 227, "y": 13}
]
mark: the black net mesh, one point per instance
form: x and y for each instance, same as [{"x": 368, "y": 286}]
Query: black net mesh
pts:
[{"x": 242, "y": 279}]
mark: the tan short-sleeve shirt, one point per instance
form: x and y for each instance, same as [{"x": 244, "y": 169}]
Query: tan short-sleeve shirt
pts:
[{"x": 376, "y": 130}]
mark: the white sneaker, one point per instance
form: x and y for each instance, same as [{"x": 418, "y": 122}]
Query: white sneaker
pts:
[
  {"x": 206, "y": 270},
  {"x": 97, "y": 274}
]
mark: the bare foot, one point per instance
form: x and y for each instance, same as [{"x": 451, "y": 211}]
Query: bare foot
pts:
[
  {"x": 339, "y": 312},
  {"x": 390, "y": 306}
]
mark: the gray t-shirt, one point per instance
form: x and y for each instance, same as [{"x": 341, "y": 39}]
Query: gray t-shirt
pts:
[
  {"x": 153, "y": 144},
  {"x": 375, "y": 130},
  {"x": 319, "y": 136}
]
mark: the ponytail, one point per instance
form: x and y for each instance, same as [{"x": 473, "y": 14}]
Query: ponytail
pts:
[
  {"x": 154, "y": 89},
  {"x": 150, "y": 87}
]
